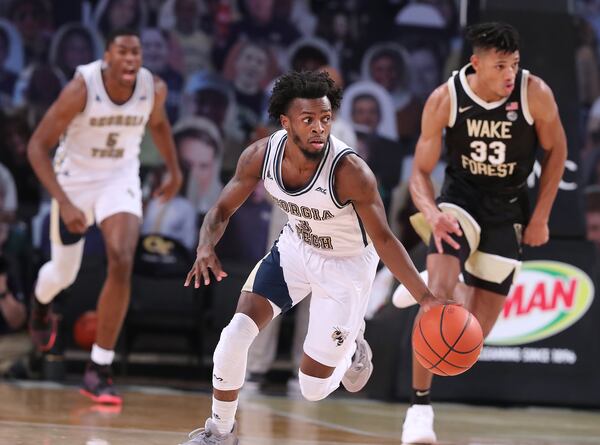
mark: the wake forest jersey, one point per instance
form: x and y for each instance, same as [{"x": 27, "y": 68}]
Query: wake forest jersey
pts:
[
  {"x": 314, "y": 212},
  {"x": 104, "y": 139},
  {"x": 490, "y": 144},
  {"x": 491, "y": 150}
]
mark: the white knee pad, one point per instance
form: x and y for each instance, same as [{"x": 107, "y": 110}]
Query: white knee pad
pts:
[
  {"x": 231, "y": 354},
  {"x": 314, "y": 388},
  {"x": 58, "y": 273}
]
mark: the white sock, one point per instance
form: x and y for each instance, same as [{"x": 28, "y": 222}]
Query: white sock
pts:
[
  {"x": 223, "y": 415},
  {"x": 101, "y": 356}
]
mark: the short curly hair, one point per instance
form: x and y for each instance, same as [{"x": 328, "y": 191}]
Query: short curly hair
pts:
[
  {"x": 493, "y": 35},
  {"x": 302, "y": 85}
]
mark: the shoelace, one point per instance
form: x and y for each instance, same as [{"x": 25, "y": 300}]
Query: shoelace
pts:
[
  {"x": 202, "y": 432},
  {"x": 196, "y": 433}
]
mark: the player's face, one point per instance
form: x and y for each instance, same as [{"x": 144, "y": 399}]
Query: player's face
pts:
[
  {"x": 308, "y": 123},
  {"x": 496, "y": 71},
  {"x": 124, "y": 59}
]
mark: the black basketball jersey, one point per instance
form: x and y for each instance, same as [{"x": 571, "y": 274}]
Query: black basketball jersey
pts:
[
  {"x": 490, "y": 149},
  {"x": 490, "y": 144}
]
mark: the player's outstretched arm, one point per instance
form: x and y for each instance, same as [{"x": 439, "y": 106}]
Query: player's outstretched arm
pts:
[
  {"x": 163, "y": 138},
  {"x": 70, "y": 102},
  {"x": 552, "y": 138},
  {"x": 355, "y": 182},
  {"x": 427, "y": 154},
  {"x": 234, "y": 194}
]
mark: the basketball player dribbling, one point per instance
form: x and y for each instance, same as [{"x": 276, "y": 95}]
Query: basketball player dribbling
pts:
[
  {"x": 330, "y": 247},
  {"x": 101, "y": 114},
  {"x": 494, "y": 115}
]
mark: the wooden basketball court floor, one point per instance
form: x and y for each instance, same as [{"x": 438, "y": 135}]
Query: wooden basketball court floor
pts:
[{"x": 49, "y": 414}]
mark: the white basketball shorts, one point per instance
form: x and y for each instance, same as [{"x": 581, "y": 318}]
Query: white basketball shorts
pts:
[{"x": 340, "y": 288}]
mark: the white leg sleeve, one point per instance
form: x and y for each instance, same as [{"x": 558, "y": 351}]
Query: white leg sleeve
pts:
[
  {"x": 60, "y": 272},
  {"x": 264, "y": 348},
  {"x": 314, "y": 388},
  {"x": 231, "y": 354}
]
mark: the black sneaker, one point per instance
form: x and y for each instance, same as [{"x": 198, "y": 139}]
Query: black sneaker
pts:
[
  {"x": 98, "y": 385},
  {"x": 43, "y": 325}
]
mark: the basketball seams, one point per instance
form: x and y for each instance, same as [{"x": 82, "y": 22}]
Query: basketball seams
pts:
[
  {"x": 459, "y": 337},
  {"x": 429, "y": 350},
  {"x": 442, "y": 358},
  {"x": 432, "y": 365},
  {"x": 432, "y": 350}
]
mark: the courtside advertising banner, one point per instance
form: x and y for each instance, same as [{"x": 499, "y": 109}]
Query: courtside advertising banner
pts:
[{"x": 545, "y": 346}]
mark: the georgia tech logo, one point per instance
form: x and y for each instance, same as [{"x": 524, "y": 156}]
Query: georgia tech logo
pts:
[
  {"x": 158, "y": 245},
  {"x": 338, "y": 336}
]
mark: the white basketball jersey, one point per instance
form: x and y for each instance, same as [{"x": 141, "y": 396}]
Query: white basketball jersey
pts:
[
  {"x": 314, "y": 212},
  {"x": 104, "y": 139}
]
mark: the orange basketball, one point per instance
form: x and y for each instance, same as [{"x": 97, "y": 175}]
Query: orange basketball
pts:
[
  {"x": 447, "y": 340},
  {"x": 84, "y": 330}
]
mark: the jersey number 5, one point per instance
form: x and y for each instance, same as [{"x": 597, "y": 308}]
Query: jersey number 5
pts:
[
  {"x": 111, "y": 140},
  {"x": 482, "y": 153}
]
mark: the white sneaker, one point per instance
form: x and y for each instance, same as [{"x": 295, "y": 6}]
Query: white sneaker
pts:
[
  {"x": 418, "y": 425},
  {"x": 402, "y": 297},
  {"x": 209, "y": 435}
]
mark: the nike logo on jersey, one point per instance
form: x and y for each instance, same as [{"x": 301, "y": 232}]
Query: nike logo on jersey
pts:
[
  {"x": 463, "y": 109},
  {"x": 269, "y": 175},
  {"x": 322, "y": 190}
]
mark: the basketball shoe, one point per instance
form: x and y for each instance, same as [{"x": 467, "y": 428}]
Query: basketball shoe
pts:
[
  {"x": 209, "y": 435},
  {"x": 98, "y": 385},
  {"x": 418, "y": 425},
  {"x": 359, "y": 372},
  {"x": 43, "y": 325}
]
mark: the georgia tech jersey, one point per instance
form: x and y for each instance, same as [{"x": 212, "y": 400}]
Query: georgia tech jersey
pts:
[
  {"x": 490, "y": 144},
  {"x": 314, "y": 212},
  {"x": 104, "y": 139}
]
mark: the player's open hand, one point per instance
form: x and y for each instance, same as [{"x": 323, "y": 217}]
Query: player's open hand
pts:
[
  {"x": 73, "y": 218},
  {"x": 442, "y": 225},
  {"x": 205, "y": 259},
  {"x": 170, "y": 186},
  {"x": 536, "y": 233}
]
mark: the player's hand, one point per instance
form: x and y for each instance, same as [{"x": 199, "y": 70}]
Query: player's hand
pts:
[
  {"x": 170, "y": 186},
  {"x": 206, "y": 259},
  {"x": 536, "y": 233},
  {"x": 429, "y": 301},
  {"x": 73, "y": 218},
  {"x": 442, "y": 225}
]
